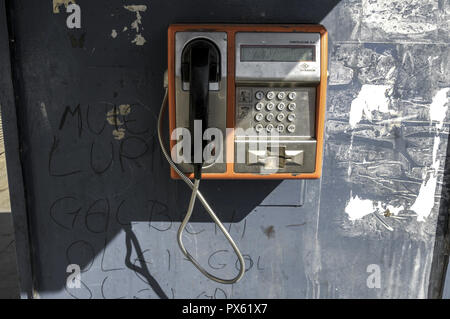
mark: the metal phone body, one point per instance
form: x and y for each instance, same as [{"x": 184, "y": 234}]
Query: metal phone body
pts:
[{"x": 271, "y": 81}]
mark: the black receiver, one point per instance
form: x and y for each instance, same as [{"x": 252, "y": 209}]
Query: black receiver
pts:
[{"x": 200, "y": 66}]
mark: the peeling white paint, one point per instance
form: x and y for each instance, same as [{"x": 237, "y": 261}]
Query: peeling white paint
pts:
[
  {"x": 119, "y": 134},
  {"x": 395, "y": 210},
  {"x": 439, "y": 107},
  {"x": 124, "y": 109},
  {"x": 136, "y": 24},
  {"x": 113, "y": 118},
  {"x": 114, "y": 33},
  {"x": 357, "y": 208},
  {"x": 425, "y": 200},
  {"x": 58, "y": 3},
  {"x": 139, "y": 40},
  {"x": 371, "y": 98},
  {"x": 436, "y": 162},
  {"x": 137, "y": 9}
]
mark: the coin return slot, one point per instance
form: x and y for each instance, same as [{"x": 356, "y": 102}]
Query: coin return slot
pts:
[{"x": 275, "y": 158}]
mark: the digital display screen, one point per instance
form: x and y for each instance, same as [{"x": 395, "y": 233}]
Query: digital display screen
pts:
[{"x": 269, "y": 53}]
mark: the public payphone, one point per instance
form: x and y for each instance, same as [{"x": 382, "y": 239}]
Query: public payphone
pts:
[{"x": 245, "y": 102}]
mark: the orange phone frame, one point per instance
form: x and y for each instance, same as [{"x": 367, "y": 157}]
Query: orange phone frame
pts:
[{"x": 231, "y": 30}]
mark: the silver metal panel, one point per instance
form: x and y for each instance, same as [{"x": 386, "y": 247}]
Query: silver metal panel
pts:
[
  {"x": 263, "y": 71},
  {"x": 289, "y": 164},
  {"x": 302, "y": 139},
  {"x": 217, "y": 98}
]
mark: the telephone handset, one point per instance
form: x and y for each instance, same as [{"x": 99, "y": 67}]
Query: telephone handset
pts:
[
  {"x": 261, "y": 89},
  {"x": 200, "y": 67}
]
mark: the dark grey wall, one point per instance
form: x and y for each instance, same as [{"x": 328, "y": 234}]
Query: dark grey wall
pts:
[
  {"x": 9, "y": 283},
  {"x": 16, "y": 182},
  {"x": 104, "y": 200}
]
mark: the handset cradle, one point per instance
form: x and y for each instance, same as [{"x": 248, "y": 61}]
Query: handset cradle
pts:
[{"x": 201, "y": 61}]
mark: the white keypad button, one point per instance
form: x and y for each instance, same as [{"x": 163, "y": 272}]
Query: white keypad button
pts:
[
  {"x": 270, "y": 117},
  {"x": 291, "y": 117},
  {"x": 281, "y": 106},
  {"x": 269, "y": 128},
  {"x": 259, "y": 128},
  {"x": 270, "y": 106},
  {"x": 259, "y": 117},
  {"x": 292, "y": 96},
  {"x": 280, "y": 128},
  {"x": 292, "y": 106},
  {"x": 281, "y": 95},
  {"x": 259, "y": 106},
  {"x": 259, "y": 95},
  {"x": 280, "y": 117},
  {"x": 270, "y": 95},
  {"x": 291, "y": 128}
]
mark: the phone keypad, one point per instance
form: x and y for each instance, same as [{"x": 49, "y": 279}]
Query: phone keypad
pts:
[
  {"x": 275, "y": 110},
  {"x": 285, "y": 110}
]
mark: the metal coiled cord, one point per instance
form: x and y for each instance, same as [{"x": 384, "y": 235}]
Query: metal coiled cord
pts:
[{"x": 196, "y": 194}]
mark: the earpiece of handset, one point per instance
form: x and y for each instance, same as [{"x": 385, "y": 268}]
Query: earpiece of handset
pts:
[{"x": 198, "y": 100}]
